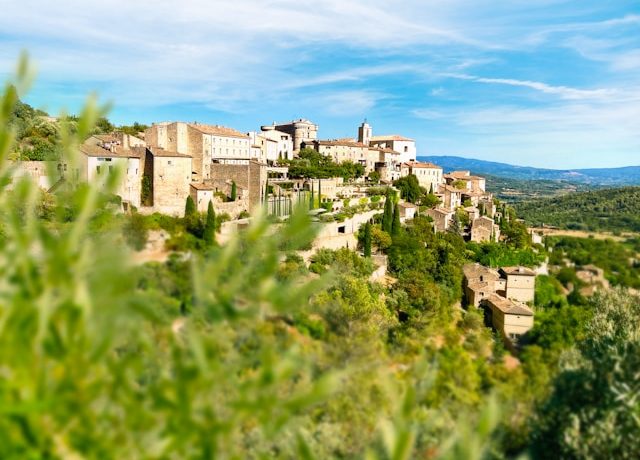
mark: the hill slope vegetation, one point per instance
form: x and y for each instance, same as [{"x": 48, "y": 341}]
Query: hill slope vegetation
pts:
[{"x": 614, "y": 210}]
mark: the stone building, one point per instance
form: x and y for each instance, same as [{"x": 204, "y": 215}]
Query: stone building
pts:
[
  {"x": 300, "y": 130},
  {"x": 170, "y": 175},
  {"x": 44, "y": 173},
  {"x": 512, "y": 319},
  {"x": 407, "y": 211},
  {"x": 96, "y": 161},
  {"x": 284, "y": 141},
  {"x": 441, "y": 217},
  {"x": 450, "y": 197},
  {"x": 484, "y": 229},
  {"x": 263, "y": 149},
  {"x": 251, "y": 176},
  {"x": 479, "y": 282},
  {"x": 499, "y": 293},
  {"x": 521, "y": 283},
  {"x": 205, "y": 144},
  {"x": 405, "y": 147},
  {"x": 429, "y": 175}
]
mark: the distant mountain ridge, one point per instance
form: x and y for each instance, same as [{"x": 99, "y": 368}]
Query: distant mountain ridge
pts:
[{"x": 629, "y": 175}]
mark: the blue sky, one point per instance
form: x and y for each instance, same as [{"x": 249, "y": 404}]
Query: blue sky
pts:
[{"x": 543, "y": 83}]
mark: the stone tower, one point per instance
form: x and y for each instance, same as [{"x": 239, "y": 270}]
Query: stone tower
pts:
[{"x": 364, "y": 133}]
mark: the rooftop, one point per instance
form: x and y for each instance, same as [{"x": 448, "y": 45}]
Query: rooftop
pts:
[
  {"x": 519, "y": 270},
  {"x": 202, "y": 186},
  {"x": 218, "y": 130},
  {"x": 475, "y": 271},
  {"x": 166, "y": 153},
  {"x": 342, "y": 143},
  {"x": 509, "y": 307},
  {"x": 419, "y": 164},
  {"x": 97, "y": 151},
  {"x": 390, "y": 137}
]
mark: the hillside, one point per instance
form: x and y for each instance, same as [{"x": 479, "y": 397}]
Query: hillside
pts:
[
  {"x": 517, "y": 190},
  {"x": 614, "y": 210},
  {"x": 597, "y": 177}
]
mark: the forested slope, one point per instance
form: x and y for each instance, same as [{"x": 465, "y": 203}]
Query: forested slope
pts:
[{"x": 602, "y": 210}]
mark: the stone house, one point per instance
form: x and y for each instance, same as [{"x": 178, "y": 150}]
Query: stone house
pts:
[
  {"x": 250, "y": 175},
  {"x": 96, "y": 161},
  {"x": 284, "y": 142},
  {"x": 170, "y": 174},
  {"x": 429, "y": 175},
  {"x": 483, "y": 229},
  {"x": 450, "y": 197},
  {"x": 442, "y": 218},
  {"x": 263, "y": 149},
  {"x": 407, "y": 211},
  {"x": 521, "y": 283},
  {"x": 479, "y": 282},
  {"x": 346, "y": 150},
  {"x": 203, "y": 143},
  {"x": 403, "y": 145},
  {"x": 512, "y": 319}
]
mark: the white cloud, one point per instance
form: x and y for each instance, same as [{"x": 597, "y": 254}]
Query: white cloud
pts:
[{"x": 562, "y": 91}]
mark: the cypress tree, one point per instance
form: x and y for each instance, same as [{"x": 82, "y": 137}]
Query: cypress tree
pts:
[
  {"x": 367, "y": 239},
  {"x": 387, "y": 217},
  {"x": 210, "y": 224},
  {"x": 189, "y": 207},
  {"x": 234, "y": 191},
  {"x": 396, "y": 225}
]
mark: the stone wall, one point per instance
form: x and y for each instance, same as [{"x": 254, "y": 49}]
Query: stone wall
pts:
[
  {"x": 171, "y": 184},
  {"x": 251, "y": 176}
]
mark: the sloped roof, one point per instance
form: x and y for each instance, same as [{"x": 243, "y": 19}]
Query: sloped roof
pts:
[
  {"x": 419, "y": 164},
  {"x": 202, "y": 186},
  {"x": 97, "y": 151},
  {"x": 342, "y": 143},
  {"x": 518, "y": 270},
  {"x": 166, "y": 153},
  {"x": 218, "y": 130},
  {"x": 509, "y": 307},
  {"x": 390, "y": 137}
]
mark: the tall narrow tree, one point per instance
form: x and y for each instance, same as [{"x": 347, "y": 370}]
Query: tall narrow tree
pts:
[
  {"x": 367, "y": 240},
  {"x": 396, "y": 225},
  {"x": 189, "y": 208},
  {"x": 387, "y": 216},
  {"x": 210, "y": 224},
  {"x": 234, "y": 191}
]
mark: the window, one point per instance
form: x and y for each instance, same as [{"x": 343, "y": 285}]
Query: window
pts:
[
  {"x": 98, "y": 169},
  {"x": 406, "y": 149},
  {"x": 168, "y": 162}
]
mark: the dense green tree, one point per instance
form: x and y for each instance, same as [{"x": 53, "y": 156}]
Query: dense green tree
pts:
[
  {"x": 367, "y": 240},
  {"x": 593, "y": 411},
  {"x": 387, "y": 216},
  {"x": 190, "y": 207},
  {"x": 234, "y": 191},
  {"x": 210, "y": 224},
  {"x": 409, "y": 187},
  {"x": 396, "y": 226}
]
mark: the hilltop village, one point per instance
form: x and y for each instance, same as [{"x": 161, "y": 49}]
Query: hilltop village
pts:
[{"x": 273, "y": 169}]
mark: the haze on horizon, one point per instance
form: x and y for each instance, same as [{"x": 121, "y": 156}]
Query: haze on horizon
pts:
[{"x": 555, "y": 84}]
